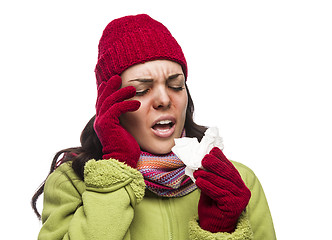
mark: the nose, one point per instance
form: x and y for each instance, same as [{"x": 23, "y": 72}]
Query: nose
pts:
[{"x": 162, "y": 99}]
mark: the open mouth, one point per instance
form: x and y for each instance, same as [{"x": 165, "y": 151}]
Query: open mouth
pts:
[
  {"x": 164, "y": 128},
  {"x": 163, "y": 125}
]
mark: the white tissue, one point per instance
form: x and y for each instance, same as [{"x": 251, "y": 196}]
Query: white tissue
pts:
[{"x": 191, "y": 152}]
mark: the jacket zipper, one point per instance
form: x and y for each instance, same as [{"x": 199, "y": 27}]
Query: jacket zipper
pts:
[
  {"x": 169, "y": 218},
  {"x": 171, "y": 230}
]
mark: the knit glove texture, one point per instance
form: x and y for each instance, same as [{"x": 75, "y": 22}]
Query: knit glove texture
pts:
[
  {"x": 116, "y": 141},
  {"x": 224, "y": 195}
]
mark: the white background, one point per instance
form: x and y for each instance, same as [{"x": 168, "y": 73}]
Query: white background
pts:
[{"x": 259, "y": 70}]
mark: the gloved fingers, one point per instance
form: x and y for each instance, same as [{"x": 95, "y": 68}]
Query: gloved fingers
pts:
[
  {"x": 210, "y": 189},
  {"x": 123, "y": 94},
  {"x": 114, "y": 83},
  {"x": 122, "y": 107},
  {"x": 217, "y": 166},
  {"x": 229, "y": 188},
  {"x": 220, "y": 155},
  {"x": 220, "y": 204},
  {"x": 223, "y": 198},
  {"x": 106, "y": 89},
  {"x": 221, "y": 168},
  {"x": 217, "y": 182},
  {"x": 119, "y": 96}
]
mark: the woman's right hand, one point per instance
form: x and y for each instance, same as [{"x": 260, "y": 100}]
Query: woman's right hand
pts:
[
  {"x": 224, "y": 195},
  {"x": 116, "y": 141}
]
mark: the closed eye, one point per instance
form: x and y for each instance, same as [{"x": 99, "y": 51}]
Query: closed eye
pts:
[
  {"x": 176, "y": 88},
  {"x": 143, "y": 92},
  {"x": 176, "y": 82}
]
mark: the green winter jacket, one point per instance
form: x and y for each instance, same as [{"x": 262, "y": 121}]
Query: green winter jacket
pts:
[{"x": 112, "y": 203}]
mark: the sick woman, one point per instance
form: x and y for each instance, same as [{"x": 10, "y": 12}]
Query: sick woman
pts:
[{"x": 124, "y": 181}]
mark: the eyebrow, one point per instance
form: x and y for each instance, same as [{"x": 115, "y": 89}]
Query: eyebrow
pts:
[
  {"x": 144, "y": 80},
  {"x": 148, "y": 80},
  {"x": 174, "y": 79},
  {"x": 174, "y": 76}
]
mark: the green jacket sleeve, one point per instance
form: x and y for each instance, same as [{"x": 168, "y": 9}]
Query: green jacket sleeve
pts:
[{"x": 101, "y": 207}]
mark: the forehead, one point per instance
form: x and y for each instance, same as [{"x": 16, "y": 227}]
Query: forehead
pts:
[{"x": 152, "y": 69}]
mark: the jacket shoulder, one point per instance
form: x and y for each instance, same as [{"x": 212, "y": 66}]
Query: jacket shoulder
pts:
[
  {"x": 243, "y": 169},
  {"x": 63, "y": 177},
  {"x": 258, "y": 209},
  {"x": 246, "y": 173}
]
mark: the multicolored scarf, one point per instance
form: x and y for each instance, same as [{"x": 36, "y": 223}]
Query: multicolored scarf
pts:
[{"x": 164, "y": 175}]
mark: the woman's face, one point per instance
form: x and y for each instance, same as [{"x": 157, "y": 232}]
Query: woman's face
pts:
[{"x": 160, "y": 87}]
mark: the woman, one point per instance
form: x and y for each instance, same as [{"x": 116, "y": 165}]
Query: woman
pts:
[{"x": 125, "y": 182}]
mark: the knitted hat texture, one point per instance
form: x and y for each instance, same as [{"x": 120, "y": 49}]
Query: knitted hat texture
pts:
[{"x": 135, "y": 39}]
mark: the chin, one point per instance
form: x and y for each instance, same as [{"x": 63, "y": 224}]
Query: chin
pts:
[{"x": 159, "y": 149}]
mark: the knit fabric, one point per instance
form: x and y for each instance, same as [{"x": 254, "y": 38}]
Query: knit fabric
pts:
[
  {"x": 164, "y": 175},
  {"x": 117, "y": 142},
  {"x": 135, "y": 39},
  {"x": 73, "y": 211}
]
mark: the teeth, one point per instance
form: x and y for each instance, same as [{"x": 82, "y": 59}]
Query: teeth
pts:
[
  {"x": 163, "y": 130},
  {"x": 164, "y": 122}
]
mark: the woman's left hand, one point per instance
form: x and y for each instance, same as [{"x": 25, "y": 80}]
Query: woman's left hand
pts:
[{"x": 224, "y": 195}]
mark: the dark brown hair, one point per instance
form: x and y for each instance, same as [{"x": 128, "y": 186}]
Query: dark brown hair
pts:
[{"x": 91, "y": 148}]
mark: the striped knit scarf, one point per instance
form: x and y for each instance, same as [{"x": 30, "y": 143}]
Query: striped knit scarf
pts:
[{"x": 164, "y": 175}]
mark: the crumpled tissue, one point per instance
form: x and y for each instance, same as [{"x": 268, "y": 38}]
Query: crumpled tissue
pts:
[{"x": 191, "y": 152}]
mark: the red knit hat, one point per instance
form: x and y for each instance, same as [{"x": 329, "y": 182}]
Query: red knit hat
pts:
[{"x": 135, "y": 39}]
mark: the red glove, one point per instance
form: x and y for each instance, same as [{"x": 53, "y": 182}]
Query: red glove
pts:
[
  {"x": 224, "y": 195},
  {"x": 116, "y": 141}
]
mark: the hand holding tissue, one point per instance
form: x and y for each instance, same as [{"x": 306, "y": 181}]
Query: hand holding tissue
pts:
[{"x": 191, "y": 152}]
